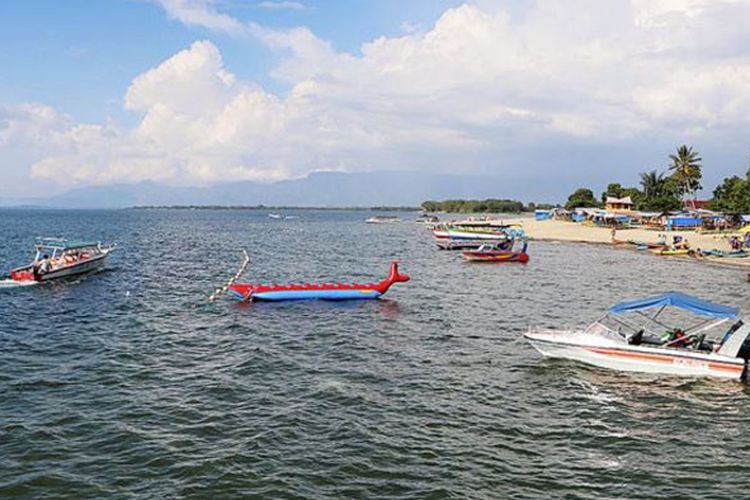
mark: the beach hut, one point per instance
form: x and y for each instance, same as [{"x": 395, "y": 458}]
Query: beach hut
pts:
[{"x": 613, "y": 204}]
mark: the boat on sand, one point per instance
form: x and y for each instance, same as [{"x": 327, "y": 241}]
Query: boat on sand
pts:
[{"x": 634, "y": 336}]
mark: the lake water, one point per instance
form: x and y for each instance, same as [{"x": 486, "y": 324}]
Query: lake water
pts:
[{"x": 129, "y": 383}]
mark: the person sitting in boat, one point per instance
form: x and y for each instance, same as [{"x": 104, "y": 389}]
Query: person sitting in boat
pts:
[
  {"x": 676, "y": 338},
  {"x": 661, "y": 239}
]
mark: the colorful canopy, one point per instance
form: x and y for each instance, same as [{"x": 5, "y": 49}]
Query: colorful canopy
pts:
[
  {"x": 679, "y": 300},
  {"x": 745, "y": 229}
]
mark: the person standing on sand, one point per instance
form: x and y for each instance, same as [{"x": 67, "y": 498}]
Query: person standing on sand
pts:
[{"x": 614, "y": 233}]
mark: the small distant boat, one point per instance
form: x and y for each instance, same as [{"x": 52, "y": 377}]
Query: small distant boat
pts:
[
  {"x": 647, "y": 343},
  {"x": 275, "y": 216},
  {"x": 383, "y": 219},
  {"x": 247, "y": 292},
  {"x": 429, "y": 220},
  {"x": 497, "y": 253},
  {"x": 59, "y": 258}
]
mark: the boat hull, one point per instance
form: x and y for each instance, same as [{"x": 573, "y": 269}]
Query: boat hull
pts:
[
  {"x": 84, "y": 267},
  {"x": 284, "y": 295},
  {"x": 624, "y": 357},
  {"x": 521, "y": 257},
  {"x": 469, "y": 235}
]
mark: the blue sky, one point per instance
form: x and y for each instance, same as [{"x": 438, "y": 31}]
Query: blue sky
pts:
[
  {"x": 79, "y": 56},
  {"x": 554, "y": 93}
]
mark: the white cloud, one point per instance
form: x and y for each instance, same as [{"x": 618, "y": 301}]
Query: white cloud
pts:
[
  {"x": 201, "y": 13},
  {"x": 281, "y": 5},
  {"x": 463, "y": 94}
]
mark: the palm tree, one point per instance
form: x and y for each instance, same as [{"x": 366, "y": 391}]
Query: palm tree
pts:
[
  {"x": 652, "y": 183},
  {"x": 686, "y": 170}
]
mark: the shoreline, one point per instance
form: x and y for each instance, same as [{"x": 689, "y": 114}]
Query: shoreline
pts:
[{"x": 572, "y": 232}]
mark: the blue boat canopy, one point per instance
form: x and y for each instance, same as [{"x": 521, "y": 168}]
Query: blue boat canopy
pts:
[{"x": 679, "y": 300}]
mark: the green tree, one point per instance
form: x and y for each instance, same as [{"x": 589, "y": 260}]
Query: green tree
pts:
[
  {"x": 614, "y": 190},
  {"x": 582, "y": 197},
  {"x": 660, "y": 193},
  {"x": 732, "y": 195},
  {"x": 686, "y": 170}
]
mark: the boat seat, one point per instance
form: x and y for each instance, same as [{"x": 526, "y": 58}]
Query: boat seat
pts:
[{"x": 636, "y": 338}]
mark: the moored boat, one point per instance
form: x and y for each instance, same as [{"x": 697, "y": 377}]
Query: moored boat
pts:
[
  {"x": 737, "y": 254},
  {"x": 617, "y": 341},
  {"x": 59, "y": 258},
  {"x": 671, "y": 251},
  {"x": 497, "y": 253}
]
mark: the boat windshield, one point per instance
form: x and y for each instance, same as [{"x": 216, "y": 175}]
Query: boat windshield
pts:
[{"x": 650, "y": 316}]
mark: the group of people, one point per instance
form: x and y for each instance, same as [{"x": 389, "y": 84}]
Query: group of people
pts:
[
  {"x": 738, "y": 243},
  {"x": 678, "y": 242}
]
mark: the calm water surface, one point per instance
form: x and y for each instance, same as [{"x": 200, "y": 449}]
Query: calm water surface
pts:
[{"x": 129, "y": 384}]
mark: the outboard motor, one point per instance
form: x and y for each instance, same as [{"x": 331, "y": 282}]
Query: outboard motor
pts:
[
  {"x": 744, "y": 353},
  {"x": 737, "y": 344}
]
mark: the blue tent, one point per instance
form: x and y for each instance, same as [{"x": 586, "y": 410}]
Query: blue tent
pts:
[
  {"x": 679, "y": 300},
  {"x": 684, "y": 221},
  {"x": 543, "y": 214}
]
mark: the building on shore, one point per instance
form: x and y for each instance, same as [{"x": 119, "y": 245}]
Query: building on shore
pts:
[{"x": 616, "y": 205}]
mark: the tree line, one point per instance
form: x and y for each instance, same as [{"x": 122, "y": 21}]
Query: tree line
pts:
[
  {"x": 658, "y": 191},
  {"x": 481, "y": 206}
]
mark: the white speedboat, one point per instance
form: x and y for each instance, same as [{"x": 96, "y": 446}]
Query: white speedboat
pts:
[
  {"x": 634, "y": 336},
  {"x": 383, "y": 219},
  {"x": 58, "y": 258}
]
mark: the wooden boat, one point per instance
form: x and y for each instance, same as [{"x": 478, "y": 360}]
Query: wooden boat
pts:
[
  {"x": 493, "y": 253},
  {"x": 58, "y": 258},
  {"x": 671, "y": 251},
  {"x": 738, "y": 254},
  {"x": 640, "y": 244},
  {"x": 248, "y": 292}
]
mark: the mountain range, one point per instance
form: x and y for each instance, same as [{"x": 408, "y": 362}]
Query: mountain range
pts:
[{"x": 320, "y": 189}]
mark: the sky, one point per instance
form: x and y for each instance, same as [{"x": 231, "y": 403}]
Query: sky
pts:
[{"x": 552, "y": 93}]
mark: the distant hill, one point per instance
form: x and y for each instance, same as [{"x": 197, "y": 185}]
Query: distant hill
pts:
[{"x": 321, "y": 189}]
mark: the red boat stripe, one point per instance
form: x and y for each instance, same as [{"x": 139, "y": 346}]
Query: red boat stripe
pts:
[{"x": 661, "y": 358}]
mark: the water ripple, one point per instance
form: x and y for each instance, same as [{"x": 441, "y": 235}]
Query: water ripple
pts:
[{"x": 129, "y": 384}]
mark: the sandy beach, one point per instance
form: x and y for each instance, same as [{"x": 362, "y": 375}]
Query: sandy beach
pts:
[{"x": 554, "y": 230}]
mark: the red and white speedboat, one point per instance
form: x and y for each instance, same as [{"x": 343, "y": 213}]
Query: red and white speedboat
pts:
[
  {"x": 628, "y": 338},
  {"x": 58, "y": 258}
]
